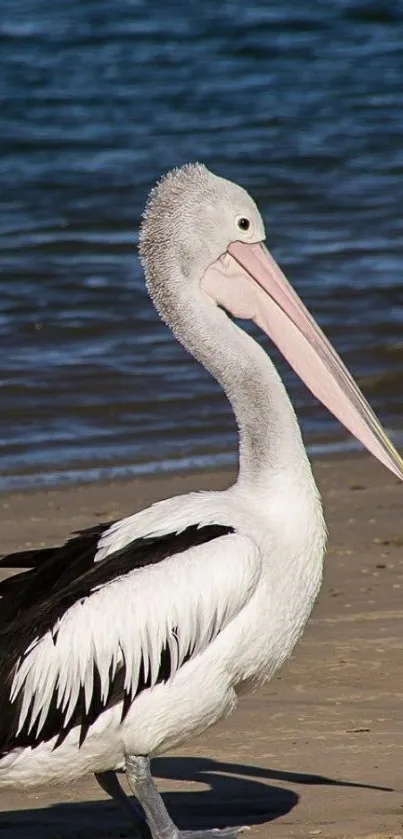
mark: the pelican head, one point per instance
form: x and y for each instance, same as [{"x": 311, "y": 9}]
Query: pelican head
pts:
[{"x": 210, "y": 234}]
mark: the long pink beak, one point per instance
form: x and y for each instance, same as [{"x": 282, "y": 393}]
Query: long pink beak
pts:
[{"x": 301, "y": 341}]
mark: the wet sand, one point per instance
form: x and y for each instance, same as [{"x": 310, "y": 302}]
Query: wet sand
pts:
[{"x": 319, "y": 750}]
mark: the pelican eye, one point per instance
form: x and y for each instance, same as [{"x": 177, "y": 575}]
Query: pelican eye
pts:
[{"x": 243, "y": 223}]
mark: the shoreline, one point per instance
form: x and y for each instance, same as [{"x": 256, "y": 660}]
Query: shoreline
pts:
[
  {"x": 99, "y": 473},
  {"x": 319, "y": 748},
  {"x": 174, "y": 477}
]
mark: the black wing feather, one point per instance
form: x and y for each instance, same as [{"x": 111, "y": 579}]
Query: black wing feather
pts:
[{"x": 49, "y": 570}]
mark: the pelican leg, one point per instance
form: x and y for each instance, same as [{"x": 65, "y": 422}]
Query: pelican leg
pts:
[
  {"x": 110, "y": 784},
  {"x": 158, "y": 819}
]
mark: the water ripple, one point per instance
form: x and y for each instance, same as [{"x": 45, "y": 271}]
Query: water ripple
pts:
[{"x": 299, "y": 101}]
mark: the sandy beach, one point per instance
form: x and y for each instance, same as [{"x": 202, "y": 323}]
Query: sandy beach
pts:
[{"x": 318, "y": 751}]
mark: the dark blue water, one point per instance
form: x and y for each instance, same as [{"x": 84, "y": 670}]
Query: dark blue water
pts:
[{"x": 301, "y": 102}]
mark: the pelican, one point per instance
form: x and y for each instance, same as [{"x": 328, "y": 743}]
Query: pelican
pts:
[{"x": 135, "y": 636}]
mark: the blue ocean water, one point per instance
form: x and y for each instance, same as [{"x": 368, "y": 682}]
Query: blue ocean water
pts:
[{"x": 300, "y": 101}]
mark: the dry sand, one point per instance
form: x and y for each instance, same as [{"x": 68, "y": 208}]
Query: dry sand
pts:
[{"x": 318, "y": 751}]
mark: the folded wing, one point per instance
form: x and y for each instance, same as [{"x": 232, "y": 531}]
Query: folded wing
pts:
[{"x": 127, "y": 629}]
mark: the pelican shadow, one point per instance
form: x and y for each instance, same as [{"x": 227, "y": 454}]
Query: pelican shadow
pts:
[{"x": 236, "y": 793}]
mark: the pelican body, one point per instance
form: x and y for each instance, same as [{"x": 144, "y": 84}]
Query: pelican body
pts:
[{"x": 137, "y": 635}]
